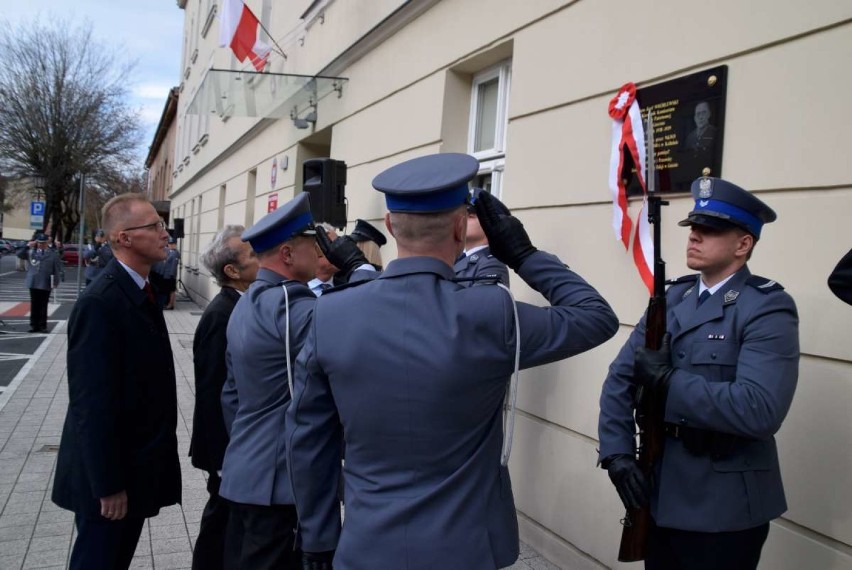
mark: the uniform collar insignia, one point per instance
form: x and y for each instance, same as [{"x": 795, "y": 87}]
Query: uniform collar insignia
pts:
[
  {"x": 687, "y": 292},
  {"x": 731, "y": 296},
  {"x": 474, "y": 257}
]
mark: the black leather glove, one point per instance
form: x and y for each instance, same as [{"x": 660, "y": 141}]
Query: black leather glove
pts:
[
  {"x": 653, "y": 368},
  {"x": 343, "y": 253},
  {"x": 317, "y": 560},
  {"x": 506, "y": 235},
  {"x": 633, "y": 487}
]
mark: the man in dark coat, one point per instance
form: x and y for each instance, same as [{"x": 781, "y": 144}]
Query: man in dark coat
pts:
[
  {"x": 840, "y": 280},
  {"x": 233, "y": 264},
  {"x": 118, "y": 460}
]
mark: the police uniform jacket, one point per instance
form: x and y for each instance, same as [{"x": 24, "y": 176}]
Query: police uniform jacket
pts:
[
  {"x": 44, "y": 263},
  {"x": 480, "y": 264},
  {"x": 419, "y": 390},
  {"x": 119, "y": 432},
  {"x": 170, "y": 265},
  {"x": 256, "y": 393},
  {"x": 736, "y": 359},
  {"x": 209, "y": 438},
  {"x": 97, "y": 257}
]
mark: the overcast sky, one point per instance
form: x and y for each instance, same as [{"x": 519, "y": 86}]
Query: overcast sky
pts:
[{"x": 150, "y": 31}]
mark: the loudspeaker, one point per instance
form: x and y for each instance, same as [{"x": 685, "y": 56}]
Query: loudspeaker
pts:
[
  {"x": 178, "y": 229},
  {"x": 324, "y": 179}
]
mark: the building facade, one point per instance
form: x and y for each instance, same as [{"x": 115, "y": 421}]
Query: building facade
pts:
[
  {"x": 161, "y": 154},
  {"x": 524, "y": 87}
]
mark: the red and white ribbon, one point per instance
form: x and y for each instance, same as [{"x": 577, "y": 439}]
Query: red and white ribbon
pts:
[{"x": 627, "y": 131}]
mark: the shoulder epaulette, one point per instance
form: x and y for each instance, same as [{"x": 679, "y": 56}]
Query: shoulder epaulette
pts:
[
  {"x": 489, "y": 279},
  {"x": 763, "y": 284},
  {"x": 685, "y": 279},
  {"x": 343, "y": 286}
]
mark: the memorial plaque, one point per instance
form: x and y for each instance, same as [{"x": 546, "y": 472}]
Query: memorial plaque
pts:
[{"x": 689, "y": 124}]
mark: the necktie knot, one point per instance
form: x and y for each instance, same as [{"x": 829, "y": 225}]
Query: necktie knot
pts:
[
  {"x": 325, "y": 286},
  {"x": 704, "y": 296}
]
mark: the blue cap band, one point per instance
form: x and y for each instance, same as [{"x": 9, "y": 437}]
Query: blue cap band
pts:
[
  {"x": 710, "y": 207},
  {"x": 281, "y": 234},
  {"x": 432, "y": 202}
]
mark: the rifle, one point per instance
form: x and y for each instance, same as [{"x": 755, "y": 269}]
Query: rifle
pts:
[{"x": 649, "y": 411}]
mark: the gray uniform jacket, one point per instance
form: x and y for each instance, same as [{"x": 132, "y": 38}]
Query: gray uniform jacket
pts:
[
  {"x": 43, "y": 264},
  {"x": 736, "y": 361},
  {"x": 418, "y": 388},
  {"x": 480, "y": 264},
  {"x": 256, "y": 394}
]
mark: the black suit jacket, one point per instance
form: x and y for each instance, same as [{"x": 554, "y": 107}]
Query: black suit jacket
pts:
[
  {"x": 209, "y": 437},
  {"x": 840, "y": 280},
  {"x": 119, "y": 431}
]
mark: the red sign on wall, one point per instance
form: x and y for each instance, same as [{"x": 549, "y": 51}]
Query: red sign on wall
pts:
[{"x": 272, "y": 203}]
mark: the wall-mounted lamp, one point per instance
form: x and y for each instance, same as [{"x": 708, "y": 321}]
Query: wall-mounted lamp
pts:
[{"x": 306, "y": 121}]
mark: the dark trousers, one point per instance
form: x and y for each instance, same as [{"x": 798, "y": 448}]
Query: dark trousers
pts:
[
  {"x": 217, "y": 548},
  {"x": 672, "y": 549},
  {"x": 38, "y": 308},
  {"x": 269, "y": 537},
  {"x": 104, "y": 544}
]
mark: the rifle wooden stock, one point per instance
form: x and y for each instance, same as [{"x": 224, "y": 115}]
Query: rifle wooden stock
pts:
[{"x": 650, "y": 414}]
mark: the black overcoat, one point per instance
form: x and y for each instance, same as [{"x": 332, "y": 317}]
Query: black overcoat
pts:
[{"x": 119, "y": 432}]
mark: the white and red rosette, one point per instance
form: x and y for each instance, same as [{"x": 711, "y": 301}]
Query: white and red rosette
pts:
[{"x": 627, "y": 131}]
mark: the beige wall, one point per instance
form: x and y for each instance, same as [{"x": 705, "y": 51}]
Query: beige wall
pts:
[{"x": 784, "y": 139}]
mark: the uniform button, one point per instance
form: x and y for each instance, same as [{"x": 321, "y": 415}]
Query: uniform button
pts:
[
  {"x": 713, "y": 356},
  {"x": 681, "y": 354},
  {"x": 747, "y": 463},
  {"x": 683, "y": 421}
]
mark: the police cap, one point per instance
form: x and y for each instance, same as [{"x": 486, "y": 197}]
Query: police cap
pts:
[
  {"x": 99, "y": 233},
  {"x": 433, "y": 183},
  {"x": 41, "y": 237},
  {"x": 292, "y": 219},
  {"x": 721, "y": 204},
  {"x": 364, "y": 231}
]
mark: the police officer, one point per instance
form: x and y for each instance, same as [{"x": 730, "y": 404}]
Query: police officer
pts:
[
  {"x": 43, "y": 274},
  {"x": 369, "y": 240},
  {"x": 92, "y": 257},
  {"x": 421, "y": 412},
  {"x": 726, "y": 375},
  {"x": 477, "y": 260},
  {"x": 840, "y": 280},
  {"x": 265, "y": 333}
]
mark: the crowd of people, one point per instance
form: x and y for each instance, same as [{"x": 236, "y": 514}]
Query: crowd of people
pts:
[{"x": 327, "y": 378}]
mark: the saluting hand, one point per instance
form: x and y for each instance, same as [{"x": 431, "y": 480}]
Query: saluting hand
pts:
[
  {"x": 343, "y": 252},
  {"x": 507, "y": 238}
]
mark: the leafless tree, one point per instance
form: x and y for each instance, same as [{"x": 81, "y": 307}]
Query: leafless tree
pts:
[{"x": 64, "y": 110}]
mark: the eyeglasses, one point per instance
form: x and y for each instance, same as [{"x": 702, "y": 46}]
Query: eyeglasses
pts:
[{"x": 159, "y": 225}]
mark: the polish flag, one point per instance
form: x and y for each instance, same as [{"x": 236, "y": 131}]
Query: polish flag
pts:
[{"x": 238, "y": 29}]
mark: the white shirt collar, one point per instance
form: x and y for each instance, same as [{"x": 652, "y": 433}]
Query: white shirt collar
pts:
[
  {"x": 138, "y": 279},
  {"x": 702, "y": 287},
  {"x": 471, "y": 251}
]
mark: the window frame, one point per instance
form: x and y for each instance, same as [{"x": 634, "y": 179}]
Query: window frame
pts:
[{"x": 503, "y": 73}]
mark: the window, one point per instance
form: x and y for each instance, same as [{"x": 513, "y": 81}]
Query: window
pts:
[{"x": 489, "y": 107}]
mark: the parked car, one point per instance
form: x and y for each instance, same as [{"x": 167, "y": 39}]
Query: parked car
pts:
[
  {"x": 6, "y": 247},
  {"x": 69, "y": 254}
]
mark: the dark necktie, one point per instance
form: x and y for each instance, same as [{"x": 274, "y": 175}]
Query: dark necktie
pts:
[
  {"x": 150, "y": 292},
  {"x": 704, "y": 296},
  {"x": 324, "y": 286}
]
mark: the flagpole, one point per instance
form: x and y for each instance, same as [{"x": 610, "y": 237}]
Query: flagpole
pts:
[{"x": 280, "y": 50}]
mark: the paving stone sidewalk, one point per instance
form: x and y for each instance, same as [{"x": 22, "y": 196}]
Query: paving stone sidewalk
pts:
[{"x": 35, "y": 533}]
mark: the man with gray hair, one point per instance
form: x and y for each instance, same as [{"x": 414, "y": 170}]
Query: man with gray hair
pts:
[{"x": 233, "y": 263}]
